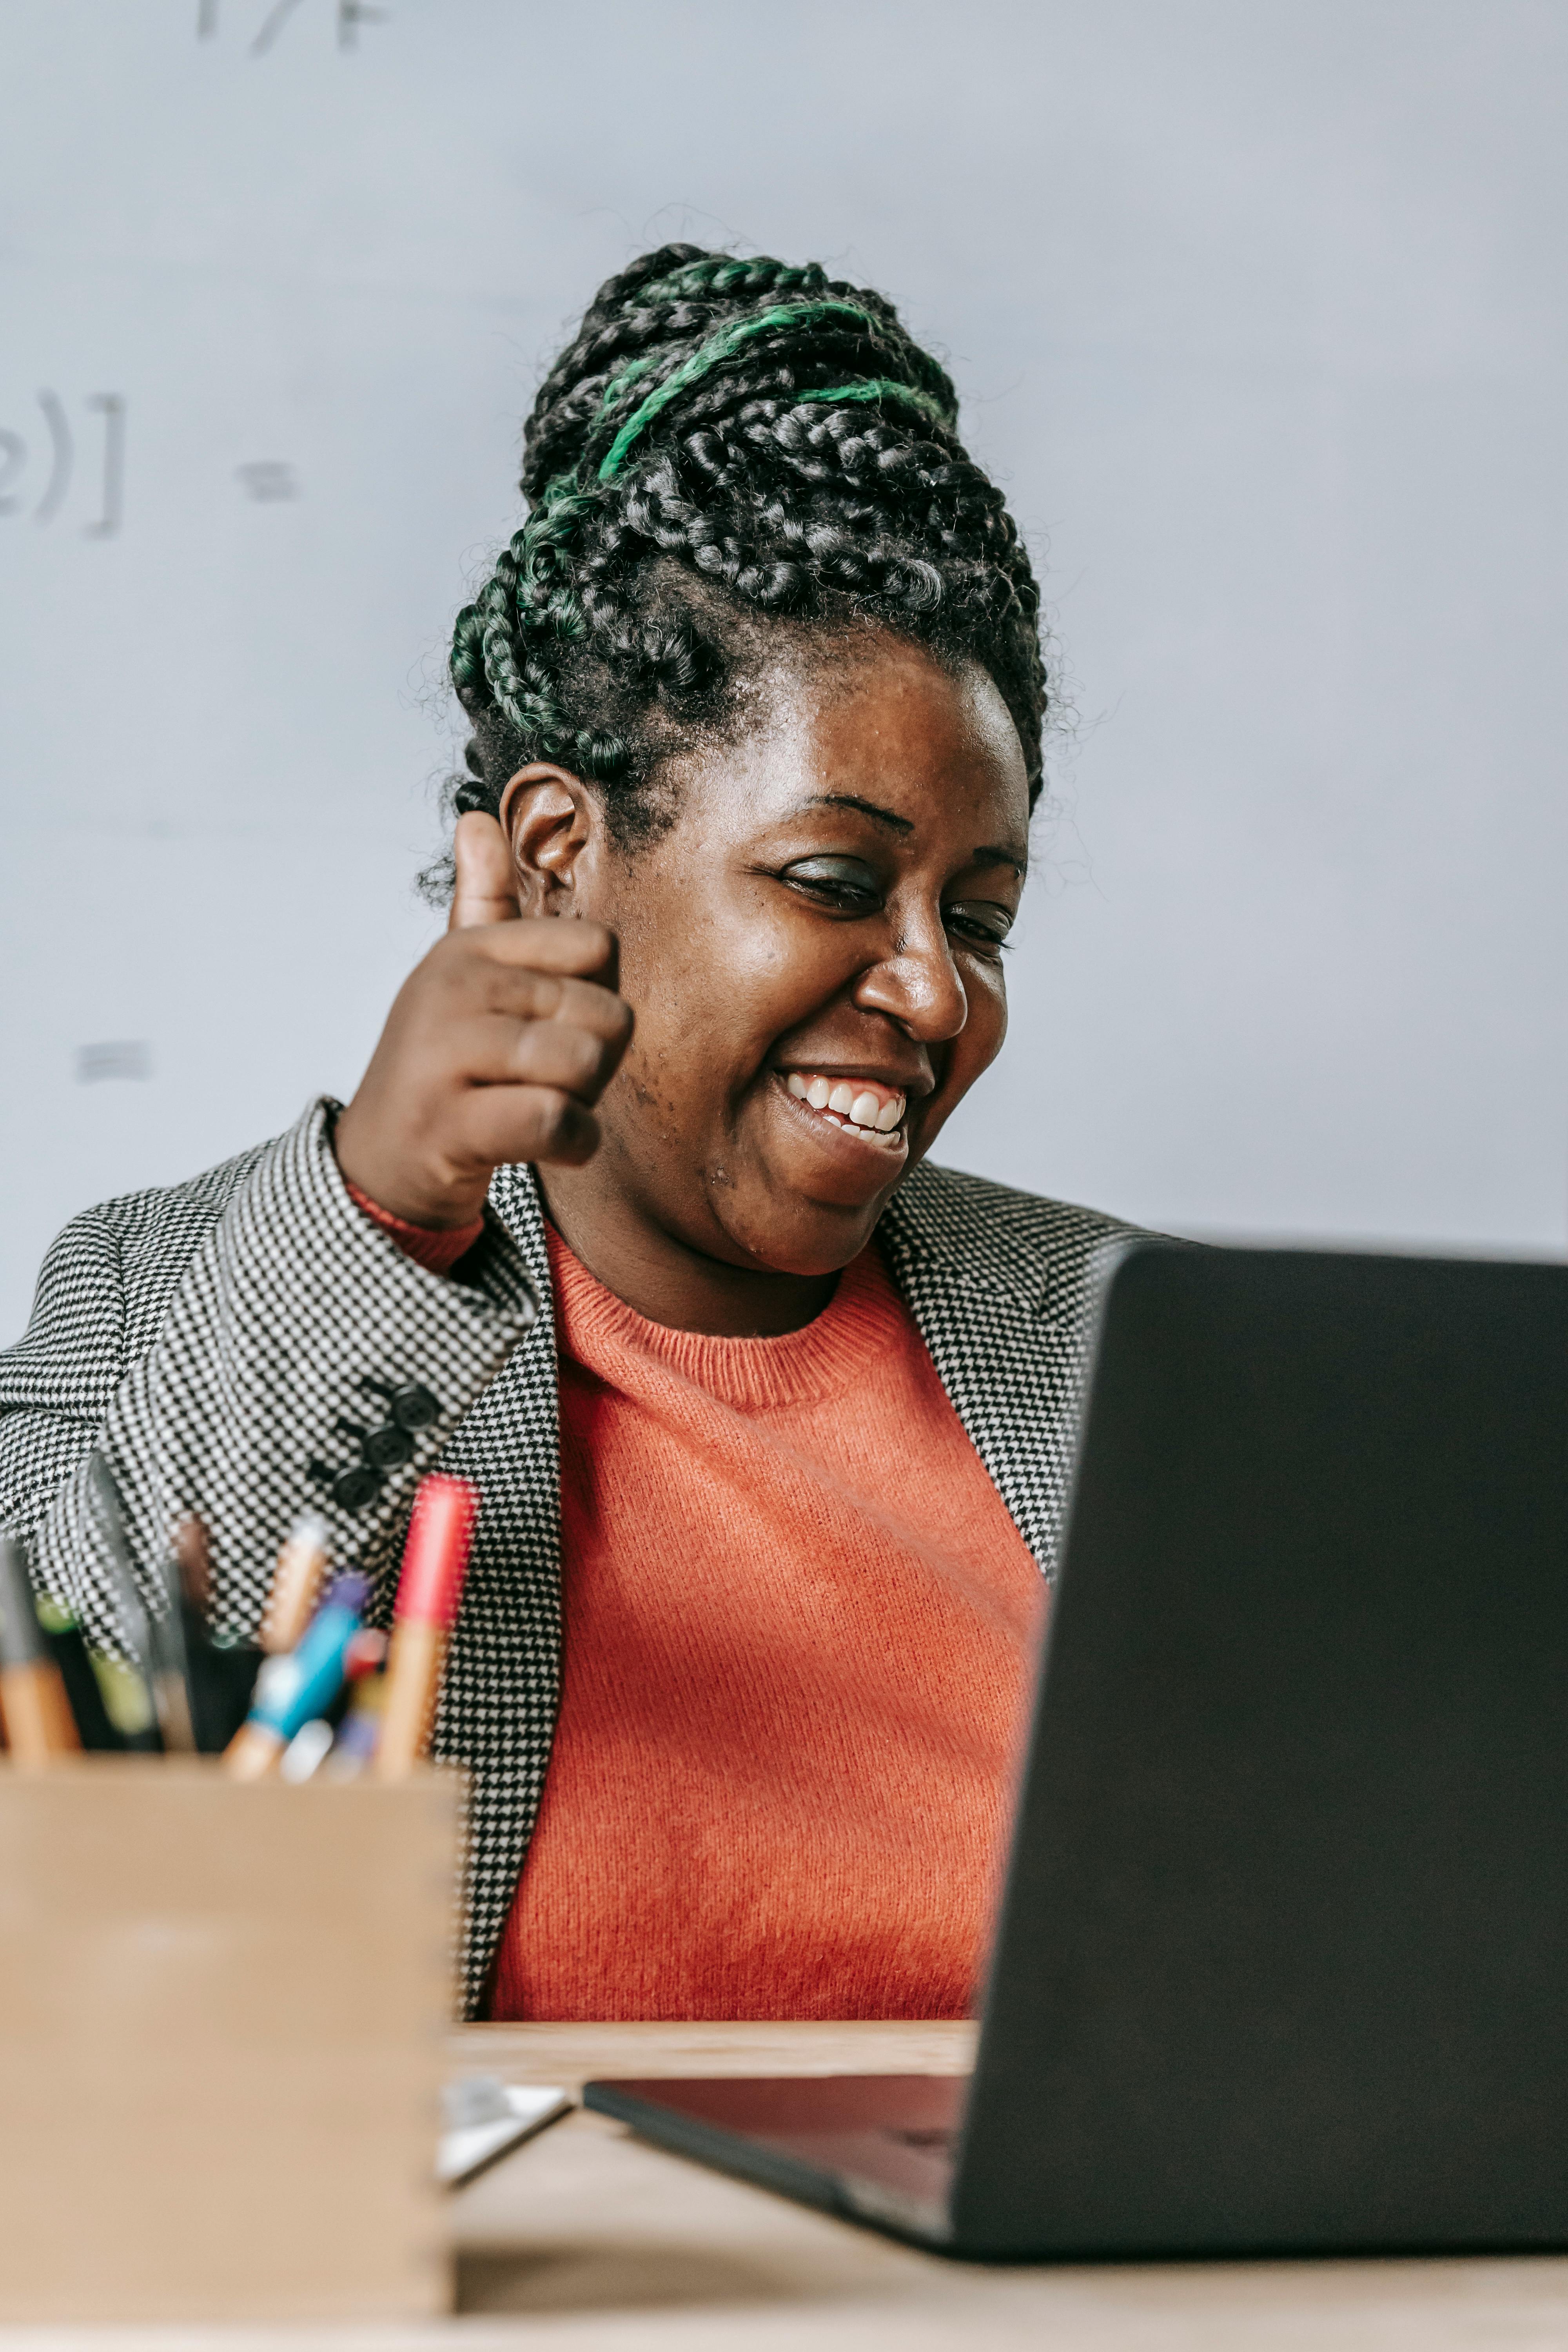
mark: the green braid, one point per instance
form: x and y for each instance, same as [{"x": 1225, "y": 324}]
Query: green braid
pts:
[
  {"x": 709, "y": 356},
  {"x": 883, "y": 387}
]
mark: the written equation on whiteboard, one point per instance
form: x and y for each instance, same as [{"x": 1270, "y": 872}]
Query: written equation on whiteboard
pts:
[
  {"x": 39, "y": 466},
  {"x": 260, "y": 27}
]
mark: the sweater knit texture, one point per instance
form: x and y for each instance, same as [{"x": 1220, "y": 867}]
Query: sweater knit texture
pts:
[{"x": 799, "y": 1632}]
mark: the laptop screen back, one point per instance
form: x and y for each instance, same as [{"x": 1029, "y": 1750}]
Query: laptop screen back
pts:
[{"x": 1283, "y": 1957}]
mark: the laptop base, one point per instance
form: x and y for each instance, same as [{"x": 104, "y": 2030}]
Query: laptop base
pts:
[{"x": 873, "y": 2148}]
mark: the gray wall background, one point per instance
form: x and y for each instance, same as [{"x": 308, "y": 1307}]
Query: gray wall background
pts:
[{"x": 1259, "y": 313}]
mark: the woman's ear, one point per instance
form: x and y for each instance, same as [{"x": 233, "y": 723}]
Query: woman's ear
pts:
[{"x": 555, "y": 831}]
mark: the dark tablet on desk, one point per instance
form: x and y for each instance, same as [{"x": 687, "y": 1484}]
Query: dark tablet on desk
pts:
[{"x": 1282, "y": 1961}]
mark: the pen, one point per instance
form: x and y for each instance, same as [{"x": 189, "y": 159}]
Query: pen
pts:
[
  {"x": 127, "y": 1699},
  {"x": 290, "y": 1690},
  {"x": 358, "y": 1734},
  {"x": 222, "y": 1671},
  {"x": 171, "y": 1666},
  {"x": 434, "y": 1560},
  {"x": 296, "y": 1582},
  {"x": 37, "y": 1714},
  {"x": 63, "y": 1637}
]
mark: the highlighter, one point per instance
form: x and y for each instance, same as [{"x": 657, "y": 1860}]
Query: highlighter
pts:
[
  {"x": 290, "y": 1690},
  {"x": 434, "y": 1561},
  {"x": 36, "y": 1713}
]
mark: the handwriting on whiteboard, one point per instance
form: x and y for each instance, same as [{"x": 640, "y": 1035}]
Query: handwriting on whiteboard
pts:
[
  {"x": 268, "y": 480},
  {"x": 122, "y": 1057},
  {"x": 350, "y": 15},
  {"x": 36, "y": 467}
]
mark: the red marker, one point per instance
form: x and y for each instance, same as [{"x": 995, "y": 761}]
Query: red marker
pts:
[{"x": 434, "y": 1560}]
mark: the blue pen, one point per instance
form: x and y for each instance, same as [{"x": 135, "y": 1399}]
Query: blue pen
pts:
[{"x": 292, "y": 1689}]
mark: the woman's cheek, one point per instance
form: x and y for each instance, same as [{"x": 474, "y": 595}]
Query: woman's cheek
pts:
[{"x": 981, "y": 1039}]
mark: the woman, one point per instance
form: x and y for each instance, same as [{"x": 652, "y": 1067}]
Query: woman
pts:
[{"x": 630, "y": 1220}]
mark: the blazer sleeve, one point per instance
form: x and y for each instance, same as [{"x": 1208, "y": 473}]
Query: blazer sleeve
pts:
[{"x": 236, "y": 1362}]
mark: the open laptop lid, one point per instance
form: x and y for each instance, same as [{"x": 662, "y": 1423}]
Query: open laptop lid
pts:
[{"x": 1283, "y": 1957}]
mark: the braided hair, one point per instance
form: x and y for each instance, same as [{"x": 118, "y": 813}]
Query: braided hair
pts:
[{"x": 728, "y": 453}]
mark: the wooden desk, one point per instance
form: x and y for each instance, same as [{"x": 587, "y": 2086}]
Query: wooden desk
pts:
[
  {"x": 573, "y": 2054},
  {"x": 588, "y": 2240}
]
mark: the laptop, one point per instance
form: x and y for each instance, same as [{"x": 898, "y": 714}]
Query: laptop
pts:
[{"x": 1281, "y": 1962}]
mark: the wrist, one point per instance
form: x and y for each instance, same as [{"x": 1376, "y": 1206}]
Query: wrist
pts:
[{"x": 411, "y": 1200}]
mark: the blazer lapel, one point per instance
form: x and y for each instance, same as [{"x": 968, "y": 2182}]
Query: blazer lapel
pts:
[
  {"x": 501, "y": 1692},
  {"x": 1006, "y": 1302}
]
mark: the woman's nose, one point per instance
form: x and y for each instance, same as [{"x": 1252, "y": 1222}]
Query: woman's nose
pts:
[{"x": 917, "y": 985}]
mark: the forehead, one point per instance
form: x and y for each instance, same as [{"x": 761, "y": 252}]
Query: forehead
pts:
[{"x": 881, "y": 721}]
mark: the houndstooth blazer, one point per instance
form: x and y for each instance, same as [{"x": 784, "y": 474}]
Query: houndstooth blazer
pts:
[{"x": 221, "y": 1342}]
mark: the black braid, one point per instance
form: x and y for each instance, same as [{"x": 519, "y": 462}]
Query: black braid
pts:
[{"x": 691, "y": 492}]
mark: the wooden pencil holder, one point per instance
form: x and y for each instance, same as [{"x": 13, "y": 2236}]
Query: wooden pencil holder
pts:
[{"x": 221, "y": 2018}]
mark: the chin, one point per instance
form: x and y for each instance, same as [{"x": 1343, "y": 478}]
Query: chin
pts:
[{"x": 807, "y": 1237}]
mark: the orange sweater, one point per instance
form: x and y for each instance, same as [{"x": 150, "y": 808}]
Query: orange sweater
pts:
[{"x": 799, "y": 1623}]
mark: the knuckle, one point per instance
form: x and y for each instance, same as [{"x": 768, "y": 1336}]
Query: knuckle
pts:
[
  {"x": 532, "y": 1059},
  {"x": 586, "y": 1057},
  {"x": 556, "y": 1113}
]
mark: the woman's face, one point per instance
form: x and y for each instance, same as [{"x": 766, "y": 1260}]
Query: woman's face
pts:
[{"x": 813, "y": 953}]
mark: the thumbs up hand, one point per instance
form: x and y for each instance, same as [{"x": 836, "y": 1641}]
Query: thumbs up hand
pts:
[
  {"x": 495, "y": 1048},
  {"x": 486, "y": 891}
]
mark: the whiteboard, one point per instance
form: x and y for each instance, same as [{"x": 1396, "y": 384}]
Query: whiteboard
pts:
[{"x": 1260, "y": 315}]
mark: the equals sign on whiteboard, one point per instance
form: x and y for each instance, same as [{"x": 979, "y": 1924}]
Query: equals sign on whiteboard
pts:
[{"x": 123, "y": 1057}]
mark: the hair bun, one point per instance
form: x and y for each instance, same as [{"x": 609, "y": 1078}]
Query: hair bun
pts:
[{"x": 726, "y": 445}]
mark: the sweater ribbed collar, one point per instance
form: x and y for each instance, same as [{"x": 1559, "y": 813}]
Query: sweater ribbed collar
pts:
[{"x": 827, "y": 1356}]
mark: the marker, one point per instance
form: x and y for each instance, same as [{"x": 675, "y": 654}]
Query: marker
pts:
[
  {"x": 39, "y": 1726},
  {"x": 289, "y": 1691},
  {"x": 296, "y": 1582},
  {"x": 434, "y": 1561},
  {"x": 302, "y": 1759},
  {"x": 127, "y": 1698}
]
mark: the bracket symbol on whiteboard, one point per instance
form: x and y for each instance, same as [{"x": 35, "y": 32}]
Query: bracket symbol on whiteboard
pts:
[{"x": 110, "y": 406}]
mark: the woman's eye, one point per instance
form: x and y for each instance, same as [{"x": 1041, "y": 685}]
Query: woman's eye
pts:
[
  {"x": 844, "y": 882},
  {"x": 985, "y": 927}
]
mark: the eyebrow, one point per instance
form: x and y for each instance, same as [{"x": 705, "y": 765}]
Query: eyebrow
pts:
[
  {"x": 890, "y": 817},
  {"x": 994, "y": 854},
  {"x": 990, "y": 854}
]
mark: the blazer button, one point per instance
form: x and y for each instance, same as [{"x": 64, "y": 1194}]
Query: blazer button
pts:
[
  {"x": 386, "y": 1448},
  {"x": 352, "y": 1489},
  {"x": 414, "y": 1407}
]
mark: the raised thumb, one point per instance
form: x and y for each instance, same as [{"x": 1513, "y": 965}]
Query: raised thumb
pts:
[{"x": 485, "y": 889}]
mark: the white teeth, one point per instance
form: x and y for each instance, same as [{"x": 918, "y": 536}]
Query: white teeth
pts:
[{"x": 845, "y": 1104}]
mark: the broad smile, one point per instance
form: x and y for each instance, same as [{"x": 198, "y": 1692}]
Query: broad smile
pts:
[{"x": 868, "y": 1115}]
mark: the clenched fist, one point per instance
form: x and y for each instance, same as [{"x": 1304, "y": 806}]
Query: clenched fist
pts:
[{"x": 495, "y": 1048}]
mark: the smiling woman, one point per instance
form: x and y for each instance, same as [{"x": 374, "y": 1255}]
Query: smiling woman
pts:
[{"x": 770, "y": 1417}]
